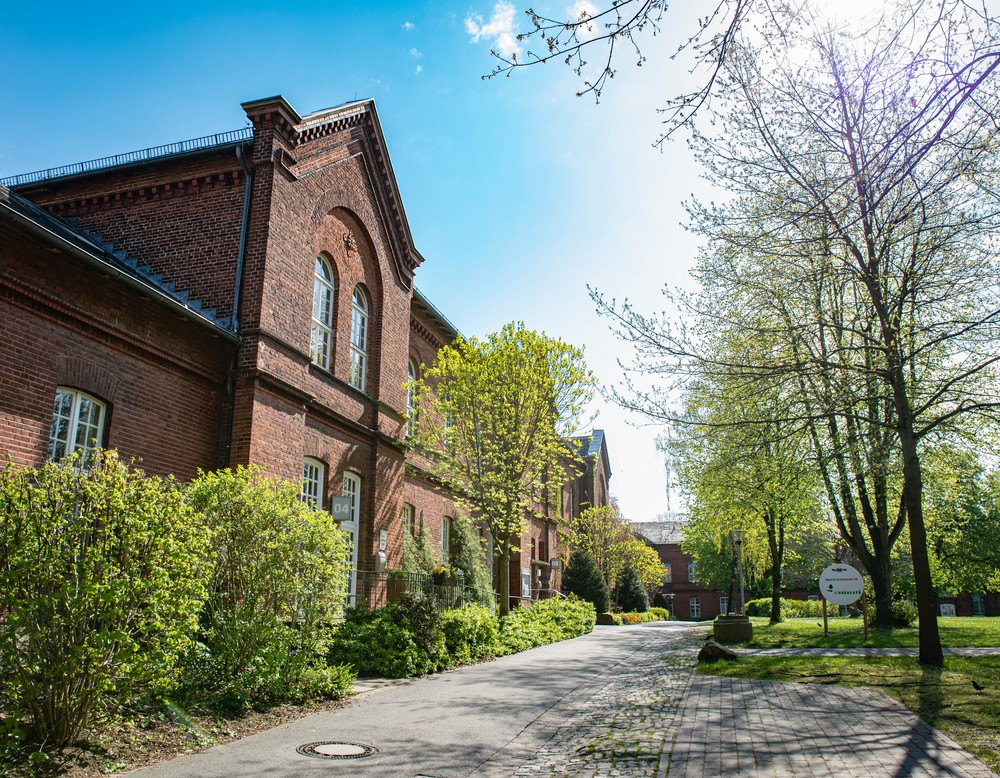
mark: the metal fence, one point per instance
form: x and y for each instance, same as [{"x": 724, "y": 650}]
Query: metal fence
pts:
[{"x": 379, "y": 589}]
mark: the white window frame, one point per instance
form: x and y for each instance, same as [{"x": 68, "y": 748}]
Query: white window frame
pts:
[
  {"x": 947, "y": 609},
  {"x": 445, "y": 538},
  {"x": 692, "y": 572},
  {"x": 76, "y": 410},
  {"x": 694, "y": 608},
  {"x": 313, "y": 481},
  {"x": 668, "y": 573},
  {"x": 324, "y": 290},
  {"x": 408, "y": 527},
  {"x": 724, "y": 605},
  {"x": 978, "y": 605},
  {"x": 411, "y": 397},
  {"x": 359, "y": 338},
  {"x": 352, "y": 489}
]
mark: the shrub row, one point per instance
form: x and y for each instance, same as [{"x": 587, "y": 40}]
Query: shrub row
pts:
[
  {"x": 411, "y": 637},
  {"x": 121, "y": 587},
  {"x": 653, "y": 614},
  {"x": 790, "y": 609}
]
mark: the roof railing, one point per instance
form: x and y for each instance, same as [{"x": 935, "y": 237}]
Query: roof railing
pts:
[{"x": 170, "y": 149}]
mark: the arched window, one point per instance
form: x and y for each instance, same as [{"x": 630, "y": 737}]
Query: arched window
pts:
[
  {"x": 321, "y": 341},
  {"x": 359, "y": 338},
  {"x": 77, "y": 424},
  {"x": 313, "y": 480},
  {"x": 411, "y": 396}
]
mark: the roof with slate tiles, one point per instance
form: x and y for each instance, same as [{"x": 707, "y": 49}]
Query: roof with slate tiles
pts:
[
  {"x": 93, "y": 250},
  {"x": 668, "y": 529}
]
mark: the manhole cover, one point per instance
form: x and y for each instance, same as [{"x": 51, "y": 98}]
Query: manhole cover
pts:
[{"x": 333, "y": 749}]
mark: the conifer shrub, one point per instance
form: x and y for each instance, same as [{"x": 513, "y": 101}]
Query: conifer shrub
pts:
[
  {"x": 583, "y": 578},
  {"x": 631, "y": 597}
]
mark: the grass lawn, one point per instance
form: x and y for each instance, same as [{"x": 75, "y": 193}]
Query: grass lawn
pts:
[
  {"x": 957, "y": 631},
  {"x": 944, "y": 698}
]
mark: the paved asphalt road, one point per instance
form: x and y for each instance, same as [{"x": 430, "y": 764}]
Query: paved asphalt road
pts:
[
  {"x": 622, "y": 701},
  {"x": 476, "y": 718}
]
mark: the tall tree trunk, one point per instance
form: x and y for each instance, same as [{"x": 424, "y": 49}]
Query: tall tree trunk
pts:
[
  {"x": 880, "y": 570},
  {"x": 777, "y": 553},
  {"x": 929, "y": 637}
]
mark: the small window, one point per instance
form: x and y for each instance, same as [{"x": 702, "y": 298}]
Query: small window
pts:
[
  {"x": 692, "y": 571},
  {"x": 445, "y": 538},
  {"x": 313, "y": 480},
  {"x": 947, "y": 609},
  {"x": 411, "y": 396},
  {"x": 359, "y": 339},
  {"x": 668, "y": 574},
  {"x": 321, "y": 341},
  {"x": 77, "y": 424},
  {"x": 694, "y": 608},
  {"x": 408, "y": 519},
  {"x": 978, "y": 605},
  {"x": 723, "y": 605}
]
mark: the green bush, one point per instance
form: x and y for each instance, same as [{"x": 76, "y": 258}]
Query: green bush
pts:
[
  {"x": 630, "y": 595},
  {"x": 641, "y": 618},
  {"x": 103, "y": 572},
  {"x": 904, "y": 613},
  {"x": 418, "y": 552},
  {"x": 403, "y": 639},
  {"x": 659, "y": 601},
  {"x": 583, "y": 578},
  {"x": 662, "y": 613},
  {"x": 468, "y": 554},
  {"x": 471, "y": 634},
  {"x": 790, "y": 609},
  {"x": 280, "y": 580},
  {"x": 546, "y": 621}
]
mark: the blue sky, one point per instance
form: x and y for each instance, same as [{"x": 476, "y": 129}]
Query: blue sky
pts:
[{"x": 518, "y": 193}]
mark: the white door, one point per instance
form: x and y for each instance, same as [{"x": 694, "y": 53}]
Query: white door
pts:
[{"x": 352, "y": 490}]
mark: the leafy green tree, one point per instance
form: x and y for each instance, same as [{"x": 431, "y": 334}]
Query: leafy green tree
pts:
[
  {"x": 963, "y": 521},
  {"x": 583, "y": 578},
  {"x": 856, "y": 167},
  {"x": 602, "y": 533},
  {"x": 493, "y": 417},
  {"x": 279, "y": 582},
  {"x": 103, "y": 572}
]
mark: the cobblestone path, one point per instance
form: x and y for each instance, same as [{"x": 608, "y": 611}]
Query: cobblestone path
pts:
[{"x": 621, "y": 725}]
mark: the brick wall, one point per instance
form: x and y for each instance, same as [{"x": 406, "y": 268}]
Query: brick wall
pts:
[{"x": 65, "y": 325}]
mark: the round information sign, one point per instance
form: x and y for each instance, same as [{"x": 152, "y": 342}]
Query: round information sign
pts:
[{"x": 841, "y": 584}]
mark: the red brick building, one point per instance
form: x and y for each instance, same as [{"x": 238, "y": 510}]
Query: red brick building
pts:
[
  {"x": 244, "y": 298},
  {"x": 686, "y": 598}
]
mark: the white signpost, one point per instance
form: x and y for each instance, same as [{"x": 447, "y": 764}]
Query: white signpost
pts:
[{"x": 841, "y": 584}]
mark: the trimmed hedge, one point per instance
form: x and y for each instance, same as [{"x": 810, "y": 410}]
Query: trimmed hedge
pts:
[
  {"x": 403, "y": 639},
  {"x": 790, "y": 609},
  {"x": 653, "y": 614}
]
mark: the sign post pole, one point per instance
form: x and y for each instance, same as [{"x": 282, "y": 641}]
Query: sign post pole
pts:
[
  {"x": 826, "y": 628},
  {"x": 864, "y": 613}
]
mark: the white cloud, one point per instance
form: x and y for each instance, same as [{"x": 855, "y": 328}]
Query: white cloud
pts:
[
  {"x": 583, "y": 9},
  {"x": 500, "y": 29},
  {"x": 409, "y": 26},
  {"x": 419, "y": 69},
  {"x": 416, "y": 53}
]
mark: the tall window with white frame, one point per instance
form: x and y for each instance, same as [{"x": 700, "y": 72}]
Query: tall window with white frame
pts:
[
  {"x": 321, "y": 341},
  {"x": 411, "y": 397},
  {"x": 445, "y": 539},
  {"x": 313, "y": 479},
  {"x": 359, "y": 338},
  {"x": 692, "y": 571},
  {"x": 352, "y": 490},
  {"x": 77, "y": 424},
  {"x": 694, "y": 608},
  {"x": 408, "y": 528}
]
